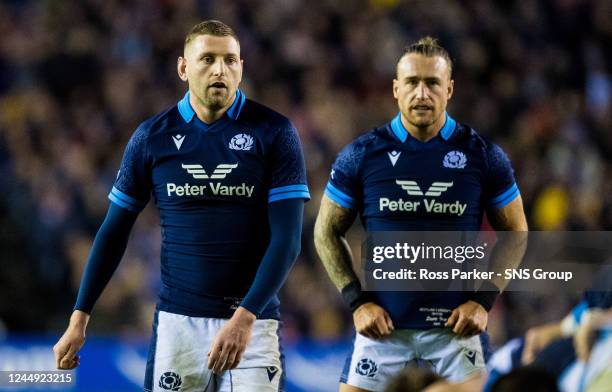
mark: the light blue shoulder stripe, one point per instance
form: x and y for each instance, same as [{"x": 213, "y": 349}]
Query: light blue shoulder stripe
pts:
[
  {"x": 505, "y": 198},
  {"x": 123, "y": 204},
  {"x": 289, "y": 195},
  {"x": 287, "y": 188},
  {"x": 128, "y": 199},
  {"x": 339, "y": 193},
  {"x": 339, "y": 197}
]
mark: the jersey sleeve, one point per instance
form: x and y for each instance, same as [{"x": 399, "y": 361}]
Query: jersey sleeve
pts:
[
  {"x": 287, "y": 169},
  {"x": 132, "y": 187},
  {"x": 500, "y": 187},
  {"x": 343, "y": 186}
]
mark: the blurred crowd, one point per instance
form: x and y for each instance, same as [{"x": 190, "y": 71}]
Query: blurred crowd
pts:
[{"x": 77, "y": 77}]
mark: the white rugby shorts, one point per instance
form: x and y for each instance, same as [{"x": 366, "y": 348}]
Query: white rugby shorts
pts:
[
  {"x": 373, "y": 362},
  {"x": 178, "y": 357}
]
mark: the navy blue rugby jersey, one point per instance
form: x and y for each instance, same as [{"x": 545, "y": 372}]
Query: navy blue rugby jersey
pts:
[
  {"x": 398, "y": 183},
  {"x": 212, "y": 184}
]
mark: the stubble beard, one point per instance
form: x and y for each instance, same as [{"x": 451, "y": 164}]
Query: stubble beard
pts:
[
  {"x": 421, "y": 122},
  {"x": 215, "y": 101}
]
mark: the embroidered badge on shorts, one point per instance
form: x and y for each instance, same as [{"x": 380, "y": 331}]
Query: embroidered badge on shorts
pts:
[
  {"x": 366, "y": 367},
  {"x": 170, "y": 381}
]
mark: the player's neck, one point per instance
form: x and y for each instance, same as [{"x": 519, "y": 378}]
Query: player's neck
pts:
[
  {"x": 206, "y": 114},
  {"x": 424, "y": 134}
]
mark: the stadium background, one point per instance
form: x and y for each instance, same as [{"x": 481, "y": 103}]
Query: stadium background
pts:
[{"x": 77, "y": 77}]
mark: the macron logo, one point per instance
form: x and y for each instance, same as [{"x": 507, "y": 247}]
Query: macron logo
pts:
[
  {"x": 393, "y": 157},
  {"x": 271, "y": 372},
  {"x": 471, "y": 356},
  {"x": 413, "y": 188},
  {"x": 220, "y": 172},
  {"x": 178, "y": 140}
]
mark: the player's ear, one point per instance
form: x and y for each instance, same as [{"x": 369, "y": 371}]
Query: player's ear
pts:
[
  {"x": 181, "y": 68},
  {"x": 451, "y": 87},
  {"x": 395, "y": 88}
]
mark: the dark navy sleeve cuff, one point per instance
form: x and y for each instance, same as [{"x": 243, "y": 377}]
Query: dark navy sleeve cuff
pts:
[
  {"x": 298, "y": 191},
  {"x": 125, "y": 201}
]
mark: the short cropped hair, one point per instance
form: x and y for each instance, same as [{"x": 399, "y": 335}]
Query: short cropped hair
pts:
[
  {"x": 429, "y": 47},
  {"x": 211, "y": 27}
]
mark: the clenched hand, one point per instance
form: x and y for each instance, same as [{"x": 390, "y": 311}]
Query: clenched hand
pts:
[
  {"x": 69, "y": 345},
  {"x": 468, "y": 319},
  {"x": 372, "y": 321}
]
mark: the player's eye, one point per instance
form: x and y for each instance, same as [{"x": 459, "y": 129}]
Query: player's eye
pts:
[
  {"x": 208, "y": 59},
  {"x": 231, "y": 60}
]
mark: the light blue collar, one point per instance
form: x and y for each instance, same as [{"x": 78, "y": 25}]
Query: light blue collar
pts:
[
  {"x": 233, "y": 112},
  {"x": 402, "y": 133}
]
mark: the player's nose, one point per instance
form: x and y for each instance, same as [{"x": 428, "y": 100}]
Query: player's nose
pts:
[
  {"x": 218, "y": 67},
  {"x": 421, "y": 91}
]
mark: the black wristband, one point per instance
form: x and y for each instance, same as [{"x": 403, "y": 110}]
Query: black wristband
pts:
[
  {"x": 486, "y": 295},
  {"x": 353, "y": 296}
]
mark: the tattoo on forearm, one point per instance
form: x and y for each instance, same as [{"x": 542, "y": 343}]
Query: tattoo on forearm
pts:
[{"x": 333, "y": 249}]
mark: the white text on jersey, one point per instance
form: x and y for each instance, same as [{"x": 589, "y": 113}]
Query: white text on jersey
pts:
[{"x": 216, "y": 189}]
